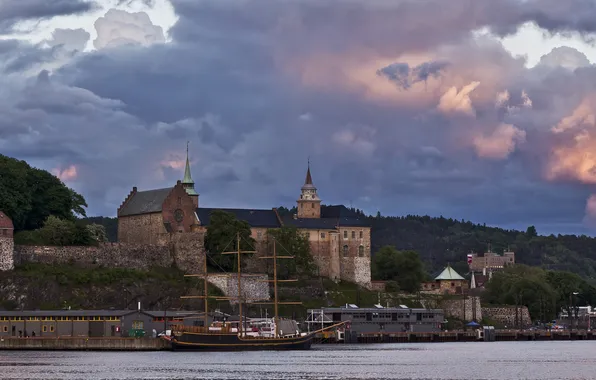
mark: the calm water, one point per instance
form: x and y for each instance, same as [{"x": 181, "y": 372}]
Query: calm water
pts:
[{"x": 499, "y": 360}]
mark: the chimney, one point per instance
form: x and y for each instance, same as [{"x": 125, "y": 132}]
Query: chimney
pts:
[{"x": 134, "y": 189}]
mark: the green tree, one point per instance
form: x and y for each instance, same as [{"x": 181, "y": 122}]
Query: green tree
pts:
[
  {"x": 565, "y": 284},
  {"x": 531, "y": 232},
  {"x": 221, "y": 236},
  {"x": 97, "y": 232},
  {"x": 291, "y": 242},
  {"x": 57, "y": 231},
  {"x": 29, "y": 196},
  {"x": 403, "y": 267}
]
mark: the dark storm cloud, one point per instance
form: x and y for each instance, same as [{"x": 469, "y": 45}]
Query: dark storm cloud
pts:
[
  {"x": 123, "y": 115},
  {"x": 14, "y": 11},
  {"x": 404, "y": 76}
]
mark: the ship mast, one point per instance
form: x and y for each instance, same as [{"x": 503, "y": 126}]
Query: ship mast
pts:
[
  {"x": 238, "y": 252},
  {"x": 275, "y": 280}
]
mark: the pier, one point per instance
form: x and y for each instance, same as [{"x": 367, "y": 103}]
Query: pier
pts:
[
  {"x": 84, "y": 344},
  {"x": 452, "y": 336}
]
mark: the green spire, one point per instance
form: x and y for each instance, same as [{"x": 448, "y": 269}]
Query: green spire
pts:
[{"x": 188, "y": 183}]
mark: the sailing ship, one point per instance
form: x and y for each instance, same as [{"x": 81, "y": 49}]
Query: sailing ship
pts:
[{"x": 268, "y": 334}]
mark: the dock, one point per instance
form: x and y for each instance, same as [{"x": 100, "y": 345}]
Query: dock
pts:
[
  {"x": 84, "y": 344},
  {"x": 453, "y": 336}
]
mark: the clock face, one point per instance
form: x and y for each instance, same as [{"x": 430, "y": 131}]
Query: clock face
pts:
[{"x": 179, "y": 215}]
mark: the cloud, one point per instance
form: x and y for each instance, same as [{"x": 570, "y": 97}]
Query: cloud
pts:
[
  {"x": 119, "y": 28},
  {"x": 67, "y": 174},
  {"x": 565, "y": 57},
  {"x": 500, "y": 143},
  {"x": 455, "y": 100},
  {"x": 15, "y": 11},
  {"x": 395, "y": 115},
  {"x": 69, "y": 39}
]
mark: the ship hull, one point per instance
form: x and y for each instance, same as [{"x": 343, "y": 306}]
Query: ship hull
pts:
[{"x": 186, "y": 341}]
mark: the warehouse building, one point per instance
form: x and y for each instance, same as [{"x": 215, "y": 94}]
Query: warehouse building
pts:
[{"x": 95, "y": 323}]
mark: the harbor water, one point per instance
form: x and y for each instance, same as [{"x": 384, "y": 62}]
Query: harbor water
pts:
[{"x": 444, "y": 361}]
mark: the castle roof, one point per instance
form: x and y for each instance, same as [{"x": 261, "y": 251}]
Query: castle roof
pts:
[
  {"x": 145, "y": 202},
  {"x": 332, "y": 217},
  {"x": 256, "y": 218},
  {"x": 449, "y": 274},
  {"x": 5, "y": 222}
]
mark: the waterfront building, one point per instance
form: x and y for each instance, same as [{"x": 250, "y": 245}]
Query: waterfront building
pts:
[
  {"x": 377, "y": 319},
  {"x": 94, "y": 323}
]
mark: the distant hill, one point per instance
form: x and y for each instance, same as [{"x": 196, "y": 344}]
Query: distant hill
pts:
[{"x": 440, "y": 241}]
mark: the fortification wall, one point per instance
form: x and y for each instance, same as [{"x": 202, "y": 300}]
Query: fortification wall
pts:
[
  {"x": 111, "y": 255},
  {"x": 467, "y": 309},
  {"x": 6, "y": 252},
  {"x": 254, "y": 287},
  {"x": 506, "y": 315}
]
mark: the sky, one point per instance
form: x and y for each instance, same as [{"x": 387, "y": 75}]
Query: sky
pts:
[{"x": 483, "y": 110}]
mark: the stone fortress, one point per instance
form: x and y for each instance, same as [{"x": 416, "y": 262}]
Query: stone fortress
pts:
[
  {"x": 166, "y": 227},
  {"x": 339, "y": 238}
]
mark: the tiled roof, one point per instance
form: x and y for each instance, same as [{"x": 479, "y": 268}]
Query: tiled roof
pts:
[
  {"x": 66, "y": 313},
  {"x": 5, "y": 221},
  {"x": 145, "y": 202},
  {"x": 256, "y": 218}
]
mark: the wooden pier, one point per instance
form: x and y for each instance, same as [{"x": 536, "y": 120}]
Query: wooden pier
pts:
[{"x": 454, "y": 336}]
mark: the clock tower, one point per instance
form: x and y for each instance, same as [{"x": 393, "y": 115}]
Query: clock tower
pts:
[{"x": 309, "y": 203}]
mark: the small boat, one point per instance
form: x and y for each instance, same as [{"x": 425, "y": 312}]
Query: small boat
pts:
[{"x": 257, "y": 334}]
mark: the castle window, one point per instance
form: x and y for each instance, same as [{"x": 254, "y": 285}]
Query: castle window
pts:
[
  {"x": 312, "y": 205},
  {"x": 345, "y": 234},
  {"x": 179, "y": 201},
  {"x": 361, "y": 251},
  {"x": 361, "y": 234},
  {"x": 322, "y": 235},
  {"x": 345, "y": 250},
  {"x": 353, "y": 234}
]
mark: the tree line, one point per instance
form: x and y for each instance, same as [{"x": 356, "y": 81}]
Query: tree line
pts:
[{"x": 44, "y": 210}]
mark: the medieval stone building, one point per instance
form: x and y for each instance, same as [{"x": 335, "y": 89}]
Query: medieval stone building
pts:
[
  {"x": 339, "y": 238},
  {"x": 6, "y": 243}
]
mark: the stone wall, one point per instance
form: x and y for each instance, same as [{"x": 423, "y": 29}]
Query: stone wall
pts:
[
  {"x": 112, "y": 255},
  {"x": 6, "y": 252},
  {"x": 140, "y": 229},
  {"x": 254, "y": 287},
  {"x": 506, "y": 316},
  {"x": 467, "y": 309}
]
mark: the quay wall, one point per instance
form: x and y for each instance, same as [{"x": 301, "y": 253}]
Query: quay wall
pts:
[
  {"x": 506, "y": 315},
  {"x": 84, "y": 344}
]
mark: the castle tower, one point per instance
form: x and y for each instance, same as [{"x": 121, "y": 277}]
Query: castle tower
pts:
[
  {"x": 188, "y": 183},
  {"x": 309, "y": 203},
  {"x": 6, "y": 243}
]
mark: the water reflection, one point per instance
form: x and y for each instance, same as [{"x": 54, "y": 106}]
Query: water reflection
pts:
[{"x": 439, "y": 361}]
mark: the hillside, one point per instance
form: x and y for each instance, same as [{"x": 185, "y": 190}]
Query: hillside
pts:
[{"x": 441, "y": 240}]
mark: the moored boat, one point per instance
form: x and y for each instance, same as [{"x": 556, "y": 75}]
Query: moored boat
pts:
[{"x": 261, "y": 334}]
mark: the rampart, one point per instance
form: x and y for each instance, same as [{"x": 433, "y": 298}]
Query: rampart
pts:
[{"x": 507, "y": 316}]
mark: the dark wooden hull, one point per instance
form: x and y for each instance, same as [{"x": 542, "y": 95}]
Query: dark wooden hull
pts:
[{"x": 232, "y": 342}]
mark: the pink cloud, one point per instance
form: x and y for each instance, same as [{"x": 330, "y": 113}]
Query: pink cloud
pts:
[{"x": 65, "y": 175}]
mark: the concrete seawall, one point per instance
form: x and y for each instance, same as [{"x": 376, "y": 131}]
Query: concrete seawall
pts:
[{"x": 84, "y": 344}]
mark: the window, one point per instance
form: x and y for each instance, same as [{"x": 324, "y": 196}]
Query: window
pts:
[
  {"x": 44, "y": 328},
  {"x": 137, "y": 325},
  {"x": 179, "y": 201},
  {"x": 361, "y": 234},
  {"x": 361, "y": 251},
  {"x": 353, "y": 234},
  {"x": 312, "y": 205},
  {"x": 322, "y": 235},
  {"x": 5, "y": 329},
  {"x": 345, "y": 250},
  {"x": 52, "y": 328},
  {"x": 345, "y": 234},
  {"x": 259, "y": 234}
]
